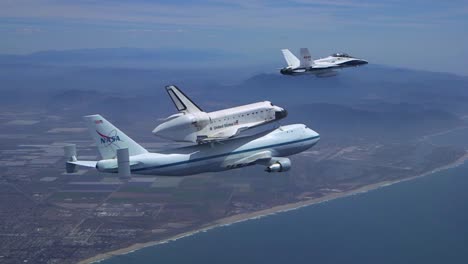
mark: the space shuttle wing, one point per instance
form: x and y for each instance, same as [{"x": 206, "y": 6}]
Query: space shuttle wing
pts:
[
  {"x": 231, "y": 132},
  {"x": 225, "y": 134}
]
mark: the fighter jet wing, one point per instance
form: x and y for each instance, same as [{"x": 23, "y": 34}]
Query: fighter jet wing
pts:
[
  {"x": 300, "y": 70},
  {"x": 324, "y": 66}
]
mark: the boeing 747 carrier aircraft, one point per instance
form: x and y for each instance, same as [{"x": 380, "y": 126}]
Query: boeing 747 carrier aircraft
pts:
[
  {"x": 120, "y": 154},
  {"x": 324, "y": 67}
]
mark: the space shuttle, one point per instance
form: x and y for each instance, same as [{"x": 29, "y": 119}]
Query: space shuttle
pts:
[
  {"x": 324, "y": 67},
  {"x": 192, "y": 124}
]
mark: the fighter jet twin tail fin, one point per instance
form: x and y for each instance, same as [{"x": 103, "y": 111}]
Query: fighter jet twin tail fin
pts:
[{"x": 294, "y": 62}]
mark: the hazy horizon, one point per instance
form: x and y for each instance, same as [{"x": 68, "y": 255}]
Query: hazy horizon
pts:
[
  {"x": 425, "y": 35},
  {"x": 169, "y": 60}
]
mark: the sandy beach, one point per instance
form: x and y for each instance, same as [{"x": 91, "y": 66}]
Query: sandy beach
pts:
[{"x": 273, "y": 210}]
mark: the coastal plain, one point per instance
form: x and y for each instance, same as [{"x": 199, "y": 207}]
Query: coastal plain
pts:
[
  {"x": 378, "y": 126},
  {"x": 70, "y": 217}
]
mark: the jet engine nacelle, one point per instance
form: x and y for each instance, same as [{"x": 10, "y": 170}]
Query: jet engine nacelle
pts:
[{"x": 279, "y": 165}]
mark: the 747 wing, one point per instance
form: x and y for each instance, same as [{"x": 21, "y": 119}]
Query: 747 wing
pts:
[
  {"x": 263, "y": 157},
  {"x": 273, "y": 164}
]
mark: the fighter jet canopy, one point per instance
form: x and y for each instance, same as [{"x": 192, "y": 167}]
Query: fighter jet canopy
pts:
[{"x": 341, "y": 54}]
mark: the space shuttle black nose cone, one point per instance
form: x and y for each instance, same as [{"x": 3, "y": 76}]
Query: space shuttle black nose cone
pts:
[{"x": 281, "y": 114}]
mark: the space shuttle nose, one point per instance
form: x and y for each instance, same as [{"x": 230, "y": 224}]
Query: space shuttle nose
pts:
[
  {"x": 155, "y": 131},
  {"x": 160, "y": 130},
  {"x": 281, "y": 114}
]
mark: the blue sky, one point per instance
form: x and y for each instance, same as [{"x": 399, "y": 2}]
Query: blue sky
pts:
[{"x": 429, "y": 35}]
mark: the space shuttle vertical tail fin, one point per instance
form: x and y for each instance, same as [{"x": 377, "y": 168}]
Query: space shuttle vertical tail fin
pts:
[
  {"x": 292, "y": 60},
  {"x": 181, "y": 101},
  {"x": 306, "y": 59}
]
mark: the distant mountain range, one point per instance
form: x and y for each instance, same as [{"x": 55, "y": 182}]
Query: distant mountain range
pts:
[
  {"x": 123, "y": 57},
  {"x": 378, "y": 102}
]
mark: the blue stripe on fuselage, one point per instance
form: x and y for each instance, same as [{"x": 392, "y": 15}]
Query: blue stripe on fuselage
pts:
[{"x": 225, "y": 154}]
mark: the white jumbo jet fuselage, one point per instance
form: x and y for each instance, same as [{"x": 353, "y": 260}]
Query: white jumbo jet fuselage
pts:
[
  {"x": 192, "y": 124},
  {"x": 324, "y": 67},
  {"x": 269, "y": 149}
]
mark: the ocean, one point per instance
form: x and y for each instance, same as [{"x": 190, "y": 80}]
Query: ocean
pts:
[{"x": 424, "y": 220}]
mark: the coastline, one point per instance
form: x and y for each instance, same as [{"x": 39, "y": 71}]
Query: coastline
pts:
[{"x": 270, "y": 211}]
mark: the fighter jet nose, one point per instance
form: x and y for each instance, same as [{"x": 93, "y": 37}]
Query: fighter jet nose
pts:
[{"x": 281, "y": 114}]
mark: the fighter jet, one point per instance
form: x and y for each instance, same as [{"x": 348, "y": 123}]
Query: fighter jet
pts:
[
  {"x": 192, "y": 124},
  {"x": 324, "y": 67},
  {"x": 120, "y": 154}
]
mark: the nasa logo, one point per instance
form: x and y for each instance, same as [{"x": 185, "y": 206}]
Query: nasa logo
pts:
[{"x": 108, "y": 139}]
